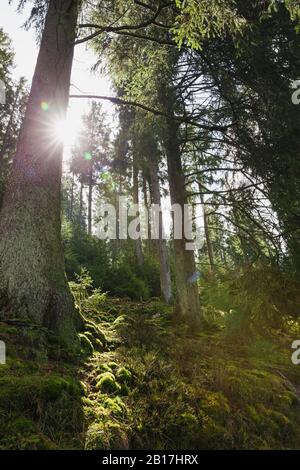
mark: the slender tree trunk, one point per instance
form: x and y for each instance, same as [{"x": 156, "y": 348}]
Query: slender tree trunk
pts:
[
  {"x": 81, "y": 203},
  {"x": 187, "y": 301},
  {"x": 116, "y": 244},
  {"x": 165, "y": 276},
  {"x": 138, "y": 242},
  {"x": 209, "y": 246},
  {"x": 72, "y": 196},
  {"x": 146, "y": 202},
  {"x": 90, "y": 200},
  {"x": 33, "y": 284}
]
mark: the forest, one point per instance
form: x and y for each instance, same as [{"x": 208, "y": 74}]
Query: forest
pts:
[{"x": 150, "y": 270}]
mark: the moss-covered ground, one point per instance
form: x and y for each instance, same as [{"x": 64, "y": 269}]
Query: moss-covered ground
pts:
[{"x": 142, "y": 382}]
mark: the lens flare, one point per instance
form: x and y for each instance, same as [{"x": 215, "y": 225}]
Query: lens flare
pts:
[
  {"x": 87, "y": 156},
  {"x": 44, "y": 106}
]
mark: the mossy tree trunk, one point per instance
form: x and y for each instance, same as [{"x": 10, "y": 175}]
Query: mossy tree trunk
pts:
[{"x": 33, "y": 285}]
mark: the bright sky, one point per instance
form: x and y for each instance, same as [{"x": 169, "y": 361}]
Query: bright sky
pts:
[{"x": 26, "y": 50}]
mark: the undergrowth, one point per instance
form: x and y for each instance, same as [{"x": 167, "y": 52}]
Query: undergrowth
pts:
[{"x": 141, "y": 382}]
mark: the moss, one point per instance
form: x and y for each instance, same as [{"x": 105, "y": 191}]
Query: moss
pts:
[
  {"x": 124, "y": 375},
  {"x": 86, "y": 344},
  {"x": 105, "y": 436},
  {"x": 107, "y": 383},
  {"x": 95, "y": 331},
  {"x": 112, "y": 365},
  {"x": 116, "y": 406},
  {"x": 185, "y": 395},
  {"x": 118, "y": 437},
  {"x": 31, "y": 402},
  {"x": 124, "y": 390},
  {"x": 96, "y": 438},
  {"x": 55, "y": 386},
  {"x": 17, "y": 392},
  {"x": 105, "y": 368}
]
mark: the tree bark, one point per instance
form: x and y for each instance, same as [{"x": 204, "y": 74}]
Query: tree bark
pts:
[
  {"x": 209, "y": 246},
  {"x": 187, "y": 300},
  {"x": 81, "y": 221},
  {"x": 165, "y": 276},
  {"x": 138, "y": 242},
  {"x": 33, "y": 284},
  {"x": 6, "y": 144},
  {"x": 147, "y": 206},
  {"x": 90, "y": 199},
  {"x": 72, "y": 196}
]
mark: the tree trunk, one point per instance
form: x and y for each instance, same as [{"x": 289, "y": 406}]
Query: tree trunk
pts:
[
  {"x": 72, "y": 196},
  {"x": 90, "y": 200},
  {"x": 116, "y": 244},
  {"x": 33, "y": 284},
  {"x": 187, "y": 301},
  {"x": 6, "y": 144},
  {"x": 147, "y": 206},
  {"x": 209, "y": 247},
  {"x": 81, "y": 204},
  {"x": 165, "y": 276},
  {"x": 138, "y": 242}
]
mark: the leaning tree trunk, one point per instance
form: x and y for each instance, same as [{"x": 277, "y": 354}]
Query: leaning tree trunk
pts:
[
  {"x": 187, "y": 301},
  {"x": 33, "y": 285}
]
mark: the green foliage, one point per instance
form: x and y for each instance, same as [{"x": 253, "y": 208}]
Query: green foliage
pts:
[
  {"x": 86, "y": 298},
  {"x": 266, "y": 296},
  {"x": 85, "y": 252},
  {"x": 262, "y": 298},
  {"x": 216, "y": 292},
  {"x": 199, "y": 21},
  {"x": 125, "y": 283},
  {"x": 206, "y": 19}
]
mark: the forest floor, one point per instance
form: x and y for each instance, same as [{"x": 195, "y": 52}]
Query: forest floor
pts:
[{"x": 143, "y": 383}]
